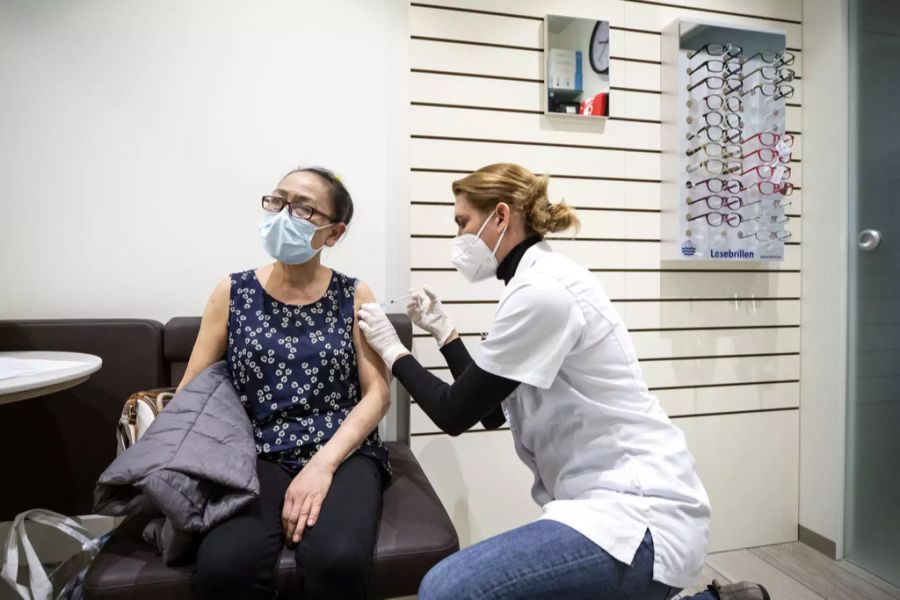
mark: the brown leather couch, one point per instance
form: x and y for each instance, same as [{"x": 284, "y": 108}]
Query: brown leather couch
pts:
[{"x": 63, "y": 442}]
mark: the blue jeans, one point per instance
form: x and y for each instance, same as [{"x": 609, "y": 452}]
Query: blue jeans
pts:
[{"x": 545, "y": 559}]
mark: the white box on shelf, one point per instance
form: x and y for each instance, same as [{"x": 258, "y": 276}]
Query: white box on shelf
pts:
[{"x": 562, "y": 69}]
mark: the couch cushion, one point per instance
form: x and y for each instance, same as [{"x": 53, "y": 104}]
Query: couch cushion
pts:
[
  {"x": 178, "y": 342},
  {"x": 62, "y": 442},
  {"x": 415, "y": 533}
]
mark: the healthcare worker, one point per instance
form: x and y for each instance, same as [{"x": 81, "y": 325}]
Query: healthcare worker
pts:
[{"x": 624, "y": 513}]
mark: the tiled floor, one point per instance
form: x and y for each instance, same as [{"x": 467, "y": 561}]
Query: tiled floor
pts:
[{"x": 795, "y": 572}]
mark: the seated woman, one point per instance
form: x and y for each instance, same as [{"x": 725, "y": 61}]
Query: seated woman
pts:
[{"x": 314, "y": 391}]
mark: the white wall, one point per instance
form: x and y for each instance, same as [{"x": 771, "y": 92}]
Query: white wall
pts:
[
  {"x": 825, "y": 221},
  {"x": 137, "y": 138}
]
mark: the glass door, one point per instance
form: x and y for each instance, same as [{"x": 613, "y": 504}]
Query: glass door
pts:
[{"x": 872, "y": 536}]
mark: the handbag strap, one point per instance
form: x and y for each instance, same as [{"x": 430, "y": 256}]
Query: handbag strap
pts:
[
  {"x": 162, "y": 399},
  {"x": 39, "y": 585}
]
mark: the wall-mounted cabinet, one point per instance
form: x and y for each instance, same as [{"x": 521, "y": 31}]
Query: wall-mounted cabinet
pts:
[{"x": 576, "y": 67}]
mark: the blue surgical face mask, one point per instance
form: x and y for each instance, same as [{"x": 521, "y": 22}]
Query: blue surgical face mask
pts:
[{"x": 288, "y": 239}]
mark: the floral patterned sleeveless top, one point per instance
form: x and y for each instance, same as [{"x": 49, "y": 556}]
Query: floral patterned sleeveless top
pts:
[{"x": 295, "y": 369}]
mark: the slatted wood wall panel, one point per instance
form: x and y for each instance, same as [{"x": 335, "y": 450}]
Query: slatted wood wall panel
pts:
[{"x": 719, "y": 344}]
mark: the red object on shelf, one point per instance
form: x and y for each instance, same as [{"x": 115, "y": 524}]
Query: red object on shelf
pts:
[{"x": 595, "y": 106}]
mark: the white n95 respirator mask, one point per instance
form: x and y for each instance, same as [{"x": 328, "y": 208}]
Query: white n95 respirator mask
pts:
[{"x": 472, "y": 257}]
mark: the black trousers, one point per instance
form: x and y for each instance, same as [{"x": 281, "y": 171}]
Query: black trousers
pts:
[{"x": 237, "y": 558}]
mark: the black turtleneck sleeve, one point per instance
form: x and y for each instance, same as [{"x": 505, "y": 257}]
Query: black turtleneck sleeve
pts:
[
  {"x": 458, "y": 359},
  {"x": 475, "y": 394}
]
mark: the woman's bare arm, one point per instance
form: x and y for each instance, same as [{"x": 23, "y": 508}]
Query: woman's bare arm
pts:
[
  {"x": 213, "y": 336},
  {"x": 375, "y": 398}
]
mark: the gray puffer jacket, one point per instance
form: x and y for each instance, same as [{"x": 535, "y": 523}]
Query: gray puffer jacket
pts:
[{"x": 195, "y": 466}]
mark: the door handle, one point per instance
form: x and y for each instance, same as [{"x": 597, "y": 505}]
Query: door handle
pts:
[{"x": 868, "y": 239}]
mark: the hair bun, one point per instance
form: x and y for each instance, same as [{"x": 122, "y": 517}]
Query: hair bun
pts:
[{"x": 524, "y": 191}]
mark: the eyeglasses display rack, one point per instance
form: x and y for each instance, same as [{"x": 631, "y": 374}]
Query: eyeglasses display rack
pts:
[{"x": 725, "y": 152}]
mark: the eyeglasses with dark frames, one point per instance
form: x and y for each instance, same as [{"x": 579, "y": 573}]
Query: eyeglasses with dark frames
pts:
[
  {"x": 770, "y": 139},
  {"x": 731, "y": 84},
  {"x": 715, "y": 119},
  {"x": 298, "y": 210},
  {"x": 716, "y": 185},
  {"x": 718, "y": 101},
  {"x": 784, "y": 91},
  {"x": 774, "y": 90},
  {"x": 771, "y": 73},
  {"x": 716, "y": 219},
  {"x": 713, "y": 65},
  {"x": 716, "y": 202},
  {"x": 717, "y": 134},
  {"x": 772, "y": 57},
  {"x": 714, "y": 49},
  {"x": 787, "y": 59}
]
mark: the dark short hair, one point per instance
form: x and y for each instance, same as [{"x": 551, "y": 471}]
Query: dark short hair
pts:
[{"x": 341, "y": 202}]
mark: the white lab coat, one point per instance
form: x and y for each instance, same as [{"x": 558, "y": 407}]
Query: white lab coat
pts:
[{"x": 606, "y": 459}]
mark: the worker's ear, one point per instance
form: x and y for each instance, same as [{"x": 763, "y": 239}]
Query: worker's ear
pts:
[{"x": 502, "y": 216}]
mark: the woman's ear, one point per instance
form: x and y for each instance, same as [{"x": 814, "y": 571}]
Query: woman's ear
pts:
[
  {"x": 336, "y": 233},
  {"x": 504, "y": 213}
]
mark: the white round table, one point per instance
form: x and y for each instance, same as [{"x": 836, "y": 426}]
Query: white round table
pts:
[{"x": 24, "y": 387}]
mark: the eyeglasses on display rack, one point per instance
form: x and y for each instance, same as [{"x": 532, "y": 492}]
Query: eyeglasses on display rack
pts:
[
  {"x": 716, "y": 150},
  {"x": 767, "y": 155},
  {"x": 770, "y": 139},
  {"x": 735, "y": 152},
  {"x": 770, "y": 188},
  {"x": 770, "y": 220},
  {"x": 715, "y": 119},
  {"x": 716, "y": 185},
  {"x": 776, "y": 206},
  {"x": 772, "y": 57},
  {"x": 780, "y": 203},
  {"x": 717, "y": 202},
  {"x": 774, "y": 91},
  {"x": 713, "y": 65},
  {"x": 731, "y": 84},
  {"x": 771, "y": 73},
  {"x": 766, "y": 236},
  {"x": 768, "y": 171},
  {"x": 715, "y": 166},
  {"x": 714, "y": 49},
  {"x": 784, "y": 91},
  {"x": 716, "y": 219},
  {"x": 777, "y": 203},
  {"x": 718, "y": 101},
  {"x": 717, "y": 134}
]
